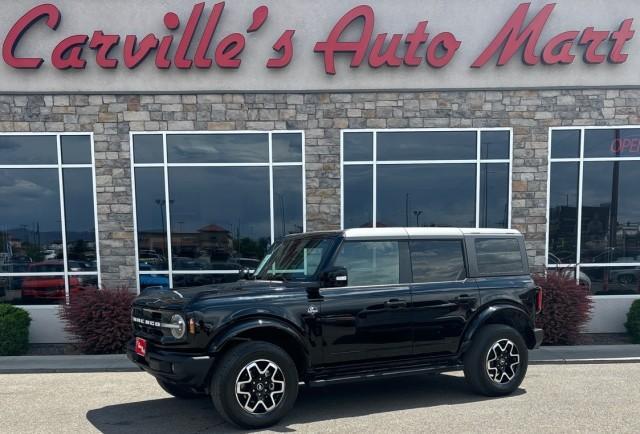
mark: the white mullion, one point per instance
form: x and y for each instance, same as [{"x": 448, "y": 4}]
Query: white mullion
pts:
[
  {"x": 427, "y": 162},
  {"x": 548, "y": 222},
  {"x": 195, "y": 272},
  {"x": 579, "y": 227},
  {"x": 167, "y": 209},
  {"x": 341, "y": 183},
  {"x": 271, "y": 213},
  {"x": 220, "y": 164},
  {"x": 95, "y": 211},
  {"x": 304, "y": 184},
  {"x": 510, "y": 197},
  {"x": 63, "y": 224},
  {"x": 34, "y": 274},
  {"x": 29, "y": 166},
  {"x": 135, "y": 211},
  {"x": 374, "y": 212},
  {"x": 478, "y": 177}
]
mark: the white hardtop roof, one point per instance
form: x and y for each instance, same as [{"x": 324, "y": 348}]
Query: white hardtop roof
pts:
[{"x": 422, "y": 232}]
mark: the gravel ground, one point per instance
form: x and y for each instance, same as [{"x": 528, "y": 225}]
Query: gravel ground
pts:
[{"x": 553, "y": 398}]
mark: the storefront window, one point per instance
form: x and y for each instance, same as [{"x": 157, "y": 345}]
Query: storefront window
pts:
[
  {"x": 48, "y": 247},
  {"x": 426, "y": 178},
  {"x": 594, "y": 221},
  {"x": 212, "y": 207}
]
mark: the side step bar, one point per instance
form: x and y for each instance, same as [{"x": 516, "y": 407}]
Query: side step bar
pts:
[{"x": 383, "y": 374}]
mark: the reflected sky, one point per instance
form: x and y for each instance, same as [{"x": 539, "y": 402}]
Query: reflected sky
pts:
[{"x": 218, "y": 148}]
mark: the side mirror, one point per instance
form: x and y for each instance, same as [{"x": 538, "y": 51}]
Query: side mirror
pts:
[{"x": 336, "y": 277}]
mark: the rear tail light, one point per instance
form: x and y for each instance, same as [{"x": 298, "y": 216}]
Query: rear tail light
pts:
[{"x": 539, "y": 300}]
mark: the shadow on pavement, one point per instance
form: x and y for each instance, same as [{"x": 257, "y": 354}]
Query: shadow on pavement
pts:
[{"x": 172, "y": 415}]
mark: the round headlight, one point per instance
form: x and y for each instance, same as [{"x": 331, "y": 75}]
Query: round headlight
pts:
[{"x": 180, "y": 327}]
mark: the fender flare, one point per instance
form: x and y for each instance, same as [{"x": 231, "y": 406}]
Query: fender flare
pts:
[
  {"x": 489, "y": 312},
  {"x": 242, "y": 325}
]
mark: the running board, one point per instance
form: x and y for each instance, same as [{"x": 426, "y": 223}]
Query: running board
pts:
[{"x": 384, "y": 374}]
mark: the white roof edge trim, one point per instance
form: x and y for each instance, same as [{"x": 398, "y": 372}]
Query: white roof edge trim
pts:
[{"x": 422, "y": 232}]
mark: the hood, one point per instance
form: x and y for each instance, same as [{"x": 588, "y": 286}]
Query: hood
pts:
[{"x": 178, "y": 299}]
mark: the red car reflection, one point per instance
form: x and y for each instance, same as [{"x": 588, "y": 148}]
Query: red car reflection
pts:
[{"x": 48, "y": 288}]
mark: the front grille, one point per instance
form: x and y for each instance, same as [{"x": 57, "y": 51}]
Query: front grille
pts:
[{"x": 153, "y": 319}]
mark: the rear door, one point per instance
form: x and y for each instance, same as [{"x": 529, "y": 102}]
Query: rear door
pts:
[
  {"x": 444, "y": 298},
  {"x": 369, "y": 318}
]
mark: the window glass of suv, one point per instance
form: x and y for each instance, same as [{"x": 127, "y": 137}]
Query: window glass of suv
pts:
[
  {"x": 498, "y": 256},
  {"x": 437, "y": 260},
  {"x": 370, "y": 262}
]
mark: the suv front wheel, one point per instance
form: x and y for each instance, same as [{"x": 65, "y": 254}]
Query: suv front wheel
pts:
[
  {"x": 254, "y": 385},
  {"x": 497, "y": 360}
]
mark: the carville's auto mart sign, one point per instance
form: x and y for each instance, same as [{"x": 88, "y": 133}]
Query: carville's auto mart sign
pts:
[{"x": 290, "y": 45}]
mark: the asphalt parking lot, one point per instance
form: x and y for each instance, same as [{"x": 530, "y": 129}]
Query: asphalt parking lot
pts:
[{"x": 601, "y": 398}]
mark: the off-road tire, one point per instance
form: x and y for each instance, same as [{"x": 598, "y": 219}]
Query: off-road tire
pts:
[
  {"x": 476, "y": 365},
  {"x": 227, "y": 371}
]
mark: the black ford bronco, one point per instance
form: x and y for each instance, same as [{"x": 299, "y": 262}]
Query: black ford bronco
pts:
[{"x": 338, "y": 306}]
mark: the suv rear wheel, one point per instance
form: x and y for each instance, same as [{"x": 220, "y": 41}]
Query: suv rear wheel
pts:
[
  {"x": 497, "y": 360},
  {"x": 177, "y": 390},
  {"x": 254, "y": 385}
]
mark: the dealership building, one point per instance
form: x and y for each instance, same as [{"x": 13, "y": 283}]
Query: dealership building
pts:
[{"x": 170, "y": 143}]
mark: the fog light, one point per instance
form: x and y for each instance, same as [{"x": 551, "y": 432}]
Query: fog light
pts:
[{"x": 180, "y": 327}]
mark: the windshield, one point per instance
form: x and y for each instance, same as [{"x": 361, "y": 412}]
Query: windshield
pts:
[{"x": 294, "y": 259}]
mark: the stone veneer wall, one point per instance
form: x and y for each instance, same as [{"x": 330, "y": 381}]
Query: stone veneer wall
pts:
[{"x": 322, "y": 116}]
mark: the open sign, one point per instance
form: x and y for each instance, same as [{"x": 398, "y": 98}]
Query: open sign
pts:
[{"x": 626, "y": 144}]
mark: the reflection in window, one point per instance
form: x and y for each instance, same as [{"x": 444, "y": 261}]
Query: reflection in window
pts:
[
  {"x": 494, "y": 195},
  {"x": 565, "y": 144},
  {"x": 32, "y": 241},
  {"x": 287, "y": 200},
  {"x": 563, "y": 213},
  {"x": 610, "y": 215},
  {"x": 218, "y": 148},
  {"x": 612, "y": 143},
  {"x": 437, "y": 260},
  {"x": 226, "y": 203},
  {"x": 427, "y": 145},
  {"x": 437, "y": 195},
  {"x": 209, "y": 226},
  {"x": 151, "y": 218},
  {"x": 358, "y": 196},
  {"x": 370, "y": 262},
  {"x": 413, "y": 186},
  {"x": 612, "y": 280}
]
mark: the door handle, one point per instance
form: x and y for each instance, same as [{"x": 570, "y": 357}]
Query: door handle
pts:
[
  {"x": 395, "y": 303},
  {"x": 465, "y": 298}
]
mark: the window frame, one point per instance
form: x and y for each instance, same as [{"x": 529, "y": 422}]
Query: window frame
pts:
[
  {"x": 165, "y": 165},
  {"x": 478, "y": 162},
  {"x": 66, "y": 274},
  {"x": 581, "y": 159}
]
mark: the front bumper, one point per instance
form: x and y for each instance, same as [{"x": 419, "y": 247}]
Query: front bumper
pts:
[
  {"x": 185, "y": 369},
  {"x": 539, "y": 335}
]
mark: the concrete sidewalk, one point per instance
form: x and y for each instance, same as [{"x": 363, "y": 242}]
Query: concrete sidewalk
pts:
[{"x": 582, "y": 354}]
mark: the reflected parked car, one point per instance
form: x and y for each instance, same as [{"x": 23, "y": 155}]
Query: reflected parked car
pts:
[
  {"x": 570, "y": 271},
  {"x": 48, "y": 288}
]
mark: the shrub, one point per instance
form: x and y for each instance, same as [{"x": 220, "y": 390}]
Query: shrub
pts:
[
  {"x": 633, "y": 322},
  {"x": 566, "y": 308},
  {"x": 14, "y": 330},
  {"x": 99, "y": 320}
]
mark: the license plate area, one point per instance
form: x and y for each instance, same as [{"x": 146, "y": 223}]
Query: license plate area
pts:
[{"x": 141, "y": 347}]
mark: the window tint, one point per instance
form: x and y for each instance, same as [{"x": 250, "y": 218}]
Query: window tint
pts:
[
  {"x": 565, "y": 144},
  {"x": 218, "y": 148},
  {"x": 358, "y": 147},
  {"x": 427, "y": 145},
  {"x": 370, "y": 262},
  {"x": 495, "y": 145},
  {"x": 494, "y": 195},
  {"x": 358, "y": 196},
  {"x": 498, "y": 255},
  {"x": 147, "y": 148},
  {"x": 75, "y": 149},
  {"x": 563, "y": 213},
  {"x": 287, "y": 147},
  {"x": 28, "y": 150},
  {"x": 437, "y": 260}
]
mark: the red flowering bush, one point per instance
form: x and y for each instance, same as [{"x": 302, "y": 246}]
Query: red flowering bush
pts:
[
  {"x": 566, "y": 308},
  {"x": 99, "y": 320}
]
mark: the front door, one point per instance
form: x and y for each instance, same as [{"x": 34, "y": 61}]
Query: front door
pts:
[
  {"x": 443, "y": 298},
  {"x": 369, "y": 318}
]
